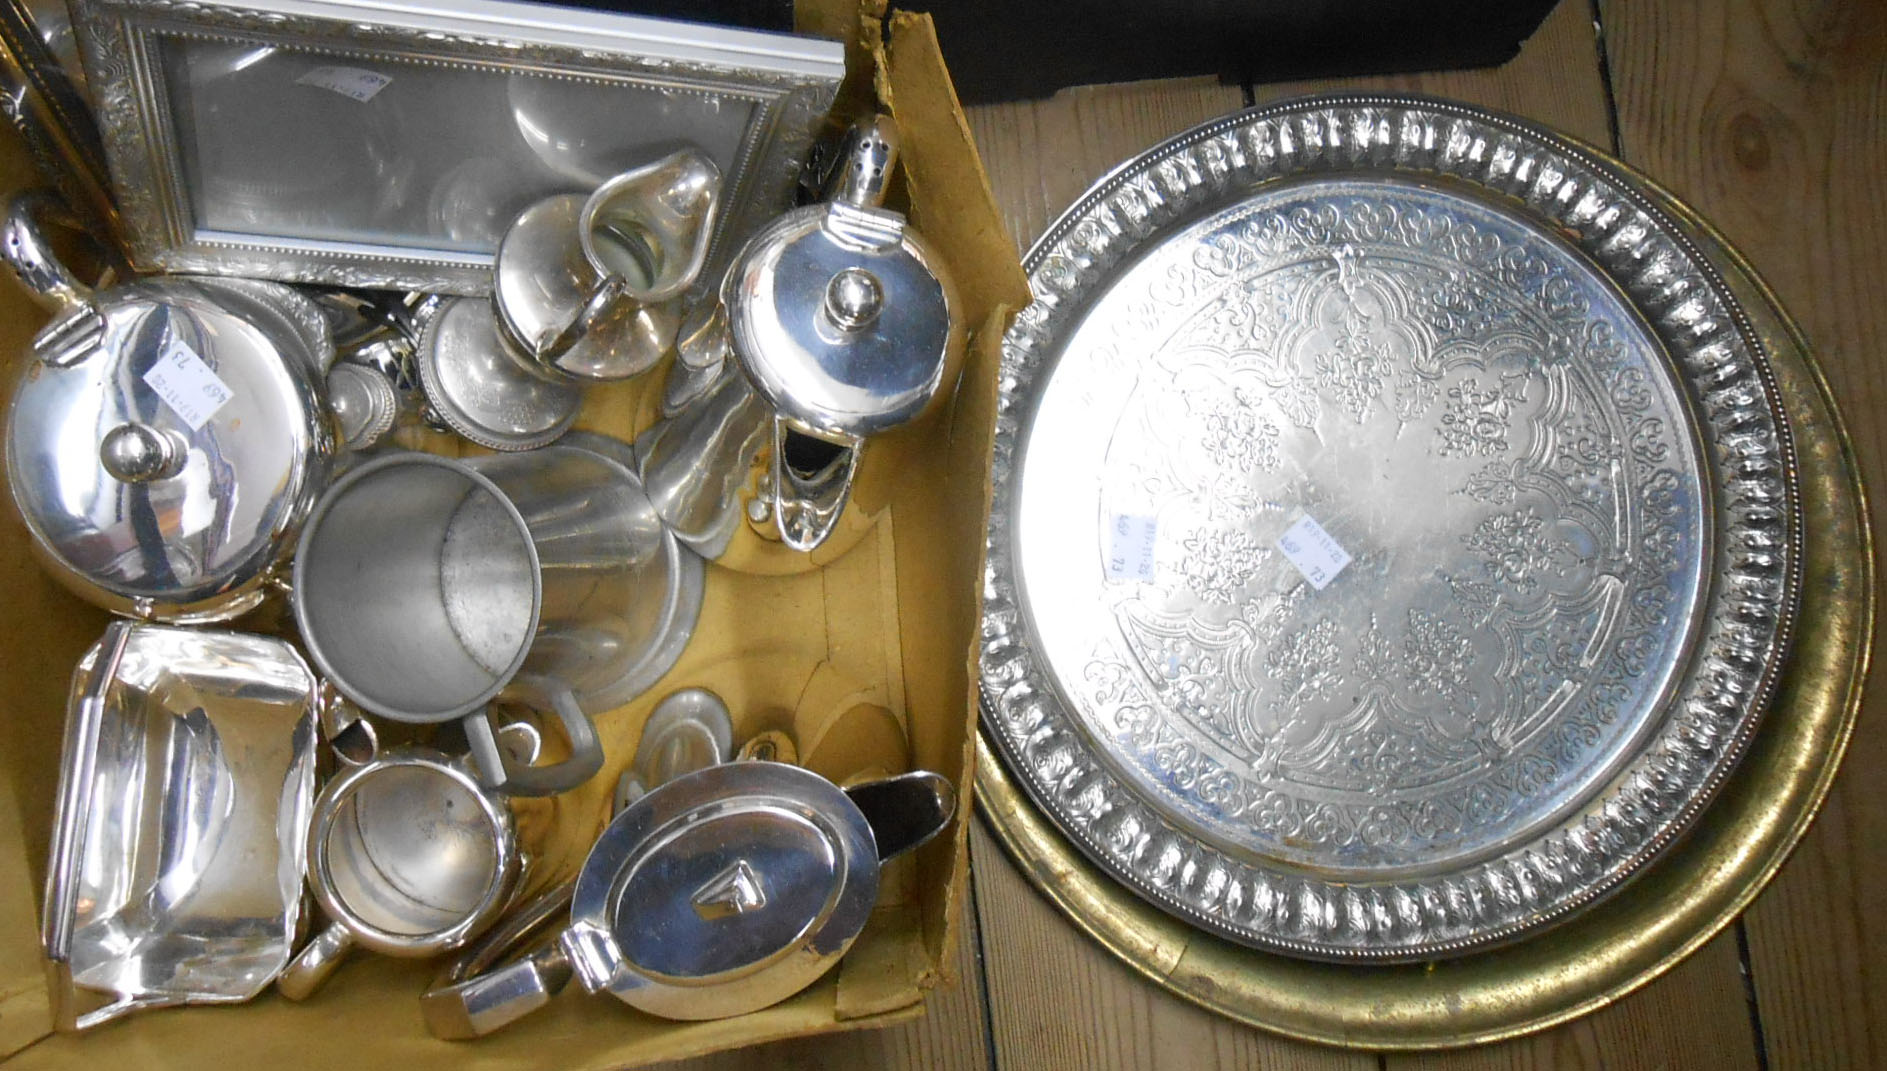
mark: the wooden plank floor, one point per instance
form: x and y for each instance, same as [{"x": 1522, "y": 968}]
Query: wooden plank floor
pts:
[{"x": 1770, "y": 116}]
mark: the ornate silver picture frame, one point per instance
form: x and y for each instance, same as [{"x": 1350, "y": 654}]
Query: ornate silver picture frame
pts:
[{"x": 365, "y": 144}]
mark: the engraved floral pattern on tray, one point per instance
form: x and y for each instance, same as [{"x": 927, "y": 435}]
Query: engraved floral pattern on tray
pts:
[
  {"x": 1542, "y": 437},
  {"x": 1474, "y": 664}
]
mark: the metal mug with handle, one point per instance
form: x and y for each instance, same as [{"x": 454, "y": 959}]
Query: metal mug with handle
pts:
[
  {"x": 409, "y": 855},
  {"x": 427, "y": 587}
]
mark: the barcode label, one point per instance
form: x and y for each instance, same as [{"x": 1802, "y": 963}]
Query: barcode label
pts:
[
  {"x": 1130, "y": 547},
  {"x": 1319, "y": 557},
  {"x": 189, "y": 387},
  {"x": 347, "y": 81}
]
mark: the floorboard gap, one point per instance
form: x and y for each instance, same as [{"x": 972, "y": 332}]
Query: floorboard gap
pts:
[
  {"x": 1605, "y": 80},
  {"x": 982, "y": 975},
  {"x": 1749, "y": 995}
]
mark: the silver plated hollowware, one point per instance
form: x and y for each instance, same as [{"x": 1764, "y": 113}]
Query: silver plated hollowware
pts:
[
  {"x": 721, "y": 892},
  {"x": 845, "y": 322},
  {"x": 364, "y": 402},
  {"x": 836, "y": 322},
  {"x": 184, "y": 795},
  {"x": 409, "y": 855},
  {"x": 688, "y": 730},
  {"x": 168, "y": 435},
  {"x": 426, "y": 588},
  {"x": 590, "y": 289},
  {"x": 353, "y": 143},
  {"x": 480, "y": 390},
  {"x": 677, "y": 590},
  {"x": 696, "y": 462},
  {"x": 1394, "y": 539}
]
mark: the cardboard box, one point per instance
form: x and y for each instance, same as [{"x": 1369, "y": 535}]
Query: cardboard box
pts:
[{"x": 884, "y": 619}]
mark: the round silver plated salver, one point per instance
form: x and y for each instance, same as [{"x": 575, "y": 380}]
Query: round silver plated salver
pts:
[{"x": 1394, "y": 538}]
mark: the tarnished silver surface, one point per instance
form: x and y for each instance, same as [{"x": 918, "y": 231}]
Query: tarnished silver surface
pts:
[
  {"x": 184, "y": 794},
  {"x": 480, "y": 391},
  {"x": 1393, "y": 539}
]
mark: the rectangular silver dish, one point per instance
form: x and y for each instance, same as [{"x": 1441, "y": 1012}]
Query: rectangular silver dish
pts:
[{"x": 184, "y": 794}]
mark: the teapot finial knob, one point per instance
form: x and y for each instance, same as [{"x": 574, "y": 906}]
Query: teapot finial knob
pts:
[
  {"x": 139, "y": 453},
  {"x": 854, "y": 298}
]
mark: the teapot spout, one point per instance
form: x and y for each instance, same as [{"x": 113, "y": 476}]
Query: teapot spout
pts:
[
  {"x": 905, "y": 811},
  {"x": 694, "y": 464},
  {"x": 24, "y": 247},
  {"x": 812, "y": 481}
]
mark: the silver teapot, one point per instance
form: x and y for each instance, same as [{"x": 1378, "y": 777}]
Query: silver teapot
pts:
[
  {"x": 167, "y": 435},
  {"x": 836, "y": 322}
]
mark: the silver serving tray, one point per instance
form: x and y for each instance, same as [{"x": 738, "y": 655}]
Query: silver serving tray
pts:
[{"x": 1394, "y": 536}]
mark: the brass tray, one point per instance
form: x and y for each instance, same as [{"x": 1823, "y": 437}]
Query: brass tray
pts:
[
  {"x": 1682, "y": 900},
  {"x": 1393, "y": 534}
]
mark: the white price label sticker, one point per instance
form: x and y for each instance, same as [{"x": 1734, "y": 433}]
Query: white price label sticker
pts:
[
  {"x": 189, "y": 387},
  {"x": 1319, "y": 557},
  {"x": 347, "y": 81},
  {"x": 1130, "y": 547}
]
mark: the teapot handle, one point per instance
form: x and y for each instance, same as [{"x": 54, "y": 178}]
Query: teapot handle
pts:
[
  {"x": 497, "y": 997},
  {"x": 315, "y": 962},
  {"x": 24, "y": 247}
]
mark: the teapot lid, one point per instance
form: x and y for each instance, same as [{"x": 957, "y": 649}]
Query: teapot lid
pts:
[
  {"x": 165, "y": 440},
  {"x": 841, "y": 315},
  {"x": 723, "y": 891}
]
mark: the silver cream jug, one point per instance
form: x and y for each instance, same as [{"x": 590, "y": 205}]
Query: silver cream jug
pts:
[{"x": 590, "y": 288}]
